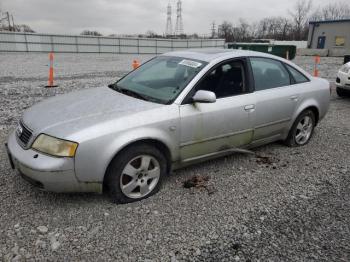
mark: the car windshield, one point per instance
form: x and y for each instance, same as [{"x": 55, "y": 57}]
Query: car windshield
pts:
[{"x": 161, "y": 79}]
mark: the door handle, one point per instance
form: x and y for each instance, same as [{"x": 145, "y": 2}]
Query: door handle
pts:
[
  {"x": 249, "y": 108},
  {"x": 294, "y": 98}
]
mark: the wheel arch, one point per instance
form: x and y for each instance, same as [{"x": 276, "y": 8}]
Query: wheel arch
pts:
[
  {"x": 316, "y": 112},
  {"x": 306, "y": 106},
  {"x": 313, "y": 106},
  {"x": 160, "y": 145}
]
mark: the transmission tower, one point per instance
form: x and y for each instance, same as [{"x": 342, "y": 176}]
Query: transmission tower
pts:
[
  {"x": 169, "y": 23},
  {"x": 213, "y": 30},
  {"x": 179, "y": 30}
]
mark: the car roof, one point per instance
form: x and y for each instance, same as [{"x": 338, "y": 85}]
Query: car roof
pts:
[
  {"x": 209, "y": 55},
  {"x": 218, "y": 55}
]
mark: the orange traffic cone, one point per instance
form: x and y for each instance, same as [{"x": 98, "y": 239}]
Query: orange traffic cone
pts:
[
  {"x": 135, "y": 64},
  {"x": 317, "y": 62},
  {"x": 50, "y": 82}
]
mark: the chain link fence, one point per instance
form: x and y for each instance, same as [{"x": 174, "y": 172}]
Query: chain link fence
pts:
[{"x": 27, "y": 42}]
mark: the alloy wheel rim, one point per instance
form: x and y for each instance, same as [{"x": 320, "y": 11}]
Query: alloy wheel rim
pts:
[
  {"x": 304, "y": 130},
  {"x": 140, "y": 176}
]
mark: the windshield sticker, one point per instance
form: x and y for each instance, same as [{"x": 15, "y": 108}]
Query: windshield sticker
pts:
[{"x": 190, "y": 63}]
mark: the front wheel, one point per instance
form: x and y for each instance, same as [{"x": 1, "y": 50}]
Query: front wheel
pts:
[
  {"x": 302, "y": 129},
  {"x": 135, "y": 174}
]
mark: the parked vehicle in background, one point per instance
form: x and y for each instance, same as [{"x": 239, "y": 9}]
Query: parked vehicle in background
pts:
[
  {"x": 343, "y": 80},
  {"x": 177, "y": 109},
  {"x": 282, "y": 50}
]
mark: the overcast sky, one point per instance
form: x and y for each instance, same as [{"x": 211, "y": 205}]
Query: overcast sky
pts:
[{"x": 138, "y": 16}]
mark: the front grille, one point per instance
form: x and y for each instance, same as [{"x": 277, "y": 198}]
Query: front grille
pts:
[{"x": 24, "y": 134}]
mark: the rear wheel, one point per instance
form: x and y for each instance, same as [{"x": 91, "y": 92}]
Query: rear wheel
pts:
[
  {"x": 135, "y": 174},
  {"x": 302, "y": 129},
  {"x": 341, "y": 92}
]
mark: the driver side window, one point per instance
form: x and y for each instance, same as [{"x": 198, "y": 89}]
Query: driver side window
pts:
[{"x": 227, "y": 79}]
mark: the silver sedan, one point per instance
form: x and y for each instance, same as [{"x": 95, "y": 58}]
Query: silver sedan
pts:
[{"x": 177, "y": 109}]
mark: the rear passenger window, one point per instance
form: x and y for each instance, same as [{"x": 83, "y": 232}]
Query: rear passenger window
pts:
[
  {"x": 269, "y": 73},
  {"x": 298, "y": 77}
]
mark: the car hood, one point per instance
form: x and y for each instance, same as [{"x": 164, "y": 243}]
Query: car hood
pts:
[{"x": 82, "y": 108}]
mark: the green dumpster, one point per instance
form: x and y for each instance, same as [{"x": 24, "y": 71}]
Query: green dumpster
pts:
[{"x": 285, "y": 51}]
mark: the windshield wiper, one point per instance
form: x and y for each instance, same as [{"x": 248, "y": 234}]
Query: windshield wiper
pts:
[
  {"x": 128, "y": 92},
  {"x": 133, "y": 94},
  {"x": 114, "y": 86}
]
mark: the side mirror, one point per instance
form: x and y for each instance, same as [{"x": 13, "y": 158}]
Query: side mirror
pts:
[{"x": 203, "y": 96}]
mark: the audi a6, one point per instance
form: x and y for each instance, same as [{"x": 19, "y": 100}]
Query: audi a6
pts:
[{"x": 177, "y": 109}]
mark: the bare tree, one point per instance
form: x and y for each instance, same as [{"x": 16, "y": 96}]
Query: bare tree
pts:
[
  {"x": 3, "y": 18},
  {"x": 23, "y": 28},
  {"x": 278, "y": 28},
  {"x": 151, "y": 34},
  {"x": 226, "y": 31},
  {"x": 6, "y": 25},
  {"x": 286, "y": 29},
  {"x": 254, "y": 30},
  {"x": 263, "y": 28},
  {"x": 243, "y": 31},
  {"x": 300, "y": 18},
  {"x": 332, "y": 11},
  {"x": 92, "y": 33},
  {"x": 283, "y": 28}
]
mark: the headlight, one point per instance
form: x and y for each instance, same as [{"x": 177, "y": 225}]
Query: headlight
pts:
[
  {"x": 345, "y": 68},
  {"x": 54, "y": 146}
]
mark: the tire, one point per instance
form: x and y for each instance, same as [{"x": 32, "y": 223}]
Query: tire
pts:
[
  {"x": 341, "y": 92},
  {"x": 135, "y": 173},
  {"x": 301, "y": 132}
]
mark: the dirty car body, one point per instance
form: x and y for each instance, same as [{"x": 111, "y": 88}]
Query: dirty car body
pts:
[{"x": 227, "y": 100}]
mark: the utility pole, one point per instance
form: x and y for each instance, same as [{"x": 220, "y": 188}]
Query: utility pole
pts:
[
  {"x": 13, "y": 23},
  {"x": 8, "y": 20}
]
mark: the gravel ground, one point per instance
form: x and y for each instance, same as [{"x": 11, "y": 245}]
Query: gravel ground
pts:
[{"x": 282, "y": 204}]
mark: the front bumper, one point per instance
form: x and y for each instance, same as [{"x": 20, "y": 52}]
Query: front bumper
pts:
[
  {"x": 343, "y": 80},
  {"x": 46, "y": 172}
]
